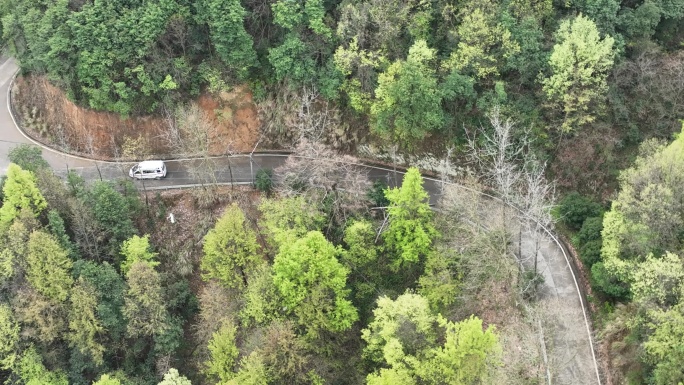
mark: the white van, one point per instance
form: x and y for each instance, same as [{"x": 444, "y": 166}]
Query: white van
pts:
[{"x": 149, "y": 169}]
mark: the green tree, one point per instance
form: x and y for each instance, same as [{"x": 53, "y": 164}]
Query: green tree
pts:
[
  {"x": 28, "y": 157},
  {"x": 408, "y": 119},
  {"x": 31, "y": 370},
  {"x": 580, "y": 63},
  {"x": 112, "y": 213},
  {"x": 465, "y": 356},
  {"x": 293, "y": 60},
  {"x": 106, "y": 379},
  {"x": 109, "y": 287},
  {"x": 484, "y": 44},
  {"x": 232, "y": 43},
  {"x": 575, "y": 208},
  {"x": 400, "y": 327},
  {"x": 393, "y": 376},
  {"x": 19, "y": 192},
  {"x": 664, "y": 347},
  {"x": 49, "y": 267},
  {"x": 298, "y": 57},
  {"x": 172, "y": 377},
  {"x": 647, "y": 216},
  {"x": 230, "y": 250},
  {"x": 287, "y": 219},
  {"x": 223, "y": 353},
  {"x": 410, "y": 233},
  {"x": 252, "y": 371},
  {"x": 9, "y": 337},
  {"x": 84, "y": 327},
  {"x": 263, "y": 180},
  {"x": 440, "y": 283},
  {"x": 137, "y": 249},
  {"x": 144, "y": 306},
  {"x": 58, "y": 230},
  {"x": 362, "y": 257},
  {"x": 312, "y": 284}
]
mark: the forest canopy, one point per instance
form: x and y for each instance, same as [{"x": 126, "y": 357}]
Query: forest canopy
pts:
[{"x": 556, "y": 67}]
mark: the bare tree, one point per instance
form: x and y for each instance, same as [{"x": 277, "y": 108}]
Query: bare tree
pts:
[
  {"x": 318, "y": 170},
  {"x": 535, "y": 201},
  {"x": 496, "y": 155},
  {"x": 87, "y": 233},
  {"x": 314, "y": 117},
  {"x": 446, "y": 169},
  {"x": 189, "y": 132}
]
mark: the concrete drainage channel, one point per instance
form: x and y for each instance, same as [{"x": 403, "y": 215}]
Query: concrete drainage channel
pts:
[{"x": 576, "y": 358}]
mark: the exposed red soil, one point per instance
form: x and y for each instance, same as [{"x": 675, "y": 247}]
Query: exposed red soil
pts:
[{"x": 49, "y": 116}]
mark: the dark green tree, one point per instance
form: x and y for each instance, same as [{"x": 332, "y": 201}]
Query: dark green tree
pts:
[
  {"x": 408, "y": 100},
  {"x": 28, "y": 157}
]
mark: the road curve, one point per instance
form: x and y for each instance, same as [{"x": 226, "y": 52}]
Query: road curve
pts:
[{"x": 572, "y": 352}]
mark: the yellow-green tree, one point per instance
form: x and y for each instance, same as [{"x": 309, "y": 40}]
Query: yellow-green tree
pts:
[
  {"x": 106, "y": 379},
  {"x": 465, "y": 357},
  {"x": 19, "y": 193},
  {"x": 580, "y": 63},
  {"x": 31, "y": 370},
  {"x": 312, "y": 283},
  {"x": 137, "y": 249},
  {"x": 230, "y": 250},
  {"x": 172, "y": 377},
  {"x": 286, "y": 220},
  {"x": 664, "y": 347},
  {"x": 410, "y": 233},
  {"x": 9, "y": 336},
  {"x": 84, "y": 327},
  {"x": 646, "y": 218},
  {"x": 223, "y": 353},
  {"x": 484, "y": 43},
  {"x": 144, "y": 305},
  {"x": 404, "y": 335},
  {"x": 49, "y": 267}
]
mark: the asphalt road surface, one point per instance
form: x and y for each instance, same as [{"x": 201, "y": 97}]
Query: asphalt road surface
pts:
[{"x": 568, "y": 341}]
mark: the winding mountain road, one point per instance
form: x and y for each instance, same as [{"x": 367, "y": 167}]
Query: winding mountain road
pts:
[{"x": 569, "y": 342}]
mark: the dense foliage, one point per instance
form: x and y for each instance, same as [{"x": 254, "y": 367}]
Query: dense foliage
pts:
[
  {"x": 411, "y": 69},
  {"x": 588, "y": 80}
]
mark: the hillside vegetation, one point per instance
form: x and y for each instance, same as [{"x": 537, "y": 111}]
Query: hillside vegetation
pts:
[
  {"x": 585, "y": 76},
  {"x": 587, "y": 87},
  {"x": 293, "y": 286}
]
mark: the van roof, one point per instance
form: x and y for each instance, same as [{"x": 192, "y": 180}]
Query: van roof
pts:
[{"x": 151, "y": 164}]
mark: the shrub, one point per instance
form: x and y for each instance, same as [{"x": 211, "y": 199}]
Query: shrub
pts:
[
  {"x": 376, "y": 194},
  {"x": 590, "y": 231},
  {"x": 575, "y": 208},
  {"x": 604, "y": 282},
  {"x": 28, "y": 157},
  {"x": 264, "y": 180},
  {"x": 590, "y": 252}
]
